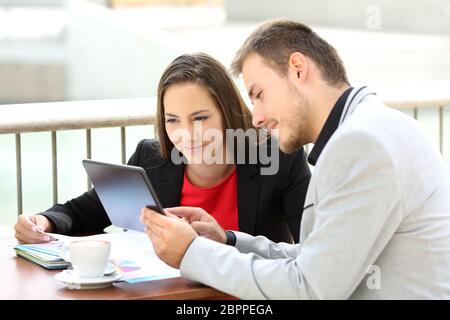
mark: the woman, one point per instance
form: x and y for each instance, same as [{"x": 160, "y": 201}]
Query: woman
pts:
[{"x": 190, "y": 166}]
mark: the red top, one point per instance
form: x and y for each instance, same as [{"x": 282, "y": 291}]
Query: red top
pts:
[{"x": 220, "y": 201}]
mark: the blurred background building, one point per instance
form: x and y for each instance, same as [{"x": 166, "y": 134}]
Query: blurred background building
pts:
[{"x": 54, "y": 50}]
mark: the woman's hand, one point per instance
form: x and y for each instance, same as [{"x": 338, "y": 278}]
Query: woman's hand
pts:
[{"x": 30, "y": 228}]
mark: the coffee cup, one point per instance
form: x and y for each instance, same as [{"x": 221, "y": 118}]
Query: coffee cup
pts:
[{"x": 89, "y": 258}]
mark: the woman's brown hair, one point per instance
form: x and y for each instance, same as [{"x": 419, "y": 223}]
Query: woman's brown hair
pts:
[{"x": 204, "y": 70}]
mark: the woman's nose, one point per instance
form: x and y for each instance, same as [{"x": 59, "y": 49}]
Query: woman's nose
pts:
[{"x": 196, "y": 132}]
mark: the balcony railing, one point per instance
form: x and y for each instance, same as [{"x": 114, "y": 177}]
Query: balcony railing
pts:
[
  {"x": 122, "y": 113},
  {"x": 56, "y": 116}
]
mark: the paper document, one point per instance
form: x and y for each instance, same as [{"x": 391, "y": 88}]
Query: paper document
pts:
[{"x": 131, "y": 252}]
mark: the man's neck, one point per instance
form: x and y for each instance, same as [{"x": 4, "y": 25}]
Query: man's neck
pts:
[{"x": 327, "y": 96}]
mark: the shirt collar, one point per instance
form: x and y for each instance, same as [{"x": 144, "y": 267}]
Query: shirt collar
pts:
[{"x": 329, "y": 128}]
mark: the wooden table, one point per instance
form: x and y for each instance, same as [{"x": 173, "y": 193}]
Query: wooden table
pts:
[{"x": 22, "y": 279}]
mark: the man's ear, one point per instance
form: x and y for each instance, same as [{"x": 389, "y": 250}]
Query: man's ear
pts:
[{"x": 298, "y": 66}]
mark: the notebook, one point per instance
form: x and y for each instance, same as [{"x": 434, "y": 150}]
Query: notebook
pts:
[{"x": 46, "y": 255}]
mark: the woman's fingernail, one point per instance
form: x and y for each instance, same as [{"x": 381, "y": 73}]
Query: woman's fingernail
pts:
[{"x": 46, "y": 238}]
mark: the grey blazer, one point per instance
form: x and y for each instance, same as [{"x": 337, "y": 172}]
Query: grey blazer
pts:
[{"x": 376, "y": 223}]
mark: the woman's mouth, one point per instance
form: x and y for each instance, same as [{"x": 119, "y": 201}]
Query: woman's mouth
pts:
[{"x": 194, "y": 149}]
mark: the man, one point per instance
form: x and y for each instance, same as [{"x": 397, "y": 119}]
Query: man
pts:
[{"x": 376, "y": 222}]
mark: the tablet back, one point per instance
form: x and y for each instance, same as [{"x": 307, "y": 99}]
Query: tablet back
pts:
[{"x": 123, "y": 191}]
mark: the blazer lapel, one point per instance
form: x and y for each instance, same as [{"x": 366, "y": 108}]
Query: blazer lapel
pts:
[
  {"x": 168, "y": 184},
  {"x": 248, "y": 196}
]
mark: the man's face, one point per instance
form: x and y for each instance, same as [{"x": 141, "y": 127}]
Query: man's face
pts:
[{"x": 278, "y": 103}]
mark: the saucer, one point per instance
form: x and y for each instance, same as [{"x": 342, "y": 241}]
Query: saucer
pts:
[{"x": 74, "y": 281}]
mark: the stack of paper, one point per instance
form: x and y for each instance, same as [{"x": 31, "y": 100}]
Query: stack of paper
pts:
[{"x": 43, "y": 254}]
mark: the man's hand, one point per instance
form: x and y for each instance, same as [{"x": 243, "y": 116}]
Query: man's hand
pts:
[
  {"x": 28, "y": 226},
  {"x": 201, "y": 221},
  {"x": 170, "y": 235}
]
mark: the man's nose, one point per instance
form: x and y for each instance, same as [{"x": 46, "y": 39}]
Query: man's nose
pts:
[{"x": 258, "y": 118}]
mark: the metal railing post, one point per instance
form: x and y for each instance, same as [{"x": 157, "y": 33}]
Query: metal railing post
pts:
[
  {"x": 19, "y": 174},
  {"x": 123, "y": 145},
  {"x": 88, "y": 152},
  {"x": 441, "y": 129},
  {"x": 54, "y": 167}
]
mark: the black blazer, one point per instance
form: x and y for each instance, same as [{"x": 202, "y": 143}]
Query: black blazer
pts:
[{"x": 269, "y": 205}]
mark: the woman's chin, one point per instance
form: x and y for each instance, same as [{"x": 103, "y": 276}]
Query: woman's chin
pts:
[{"x": 193, "y": 157}]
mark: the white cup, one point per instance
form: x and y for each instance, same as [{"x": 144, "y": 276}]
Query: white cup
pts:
[{"x": 89, "y": 258}]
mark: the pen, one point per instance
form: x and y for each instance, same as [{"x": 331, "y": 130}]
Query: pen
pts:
[{"x": 52, "y": 238}]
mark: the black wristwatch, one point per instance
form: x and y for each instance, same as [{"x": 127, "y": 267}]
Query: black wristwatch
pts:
[{"x": 231, "y": 238}]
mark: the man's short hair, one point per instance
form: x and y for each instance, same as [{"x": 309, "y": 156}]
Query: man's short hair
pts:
[{"x": 275, "y": 41}]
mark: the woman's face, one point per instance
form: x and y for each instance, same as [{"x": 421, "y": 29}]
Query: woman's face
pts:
[{"x": 193, "y": 122}]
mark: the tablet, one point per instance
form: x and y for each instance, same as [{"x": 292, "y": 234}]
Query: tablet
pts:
[{"x": 123, "y": 191}]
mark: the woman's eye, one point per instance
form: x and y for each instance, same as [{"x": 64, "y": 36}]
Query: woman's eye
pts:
[
  {"x": 258, "y": 95},
  {"x": 203, "y": 118},
  {"x": 171, "y": 120}
]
